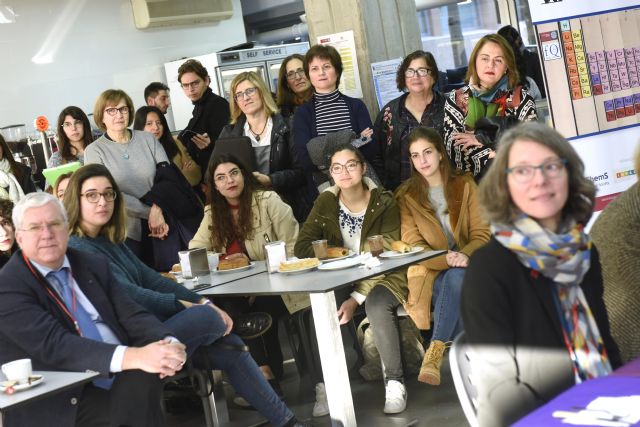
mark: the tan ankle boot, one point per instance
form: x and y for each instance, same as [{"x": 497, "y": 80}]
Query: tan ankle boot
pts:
[{"x": 430, "y": 369}]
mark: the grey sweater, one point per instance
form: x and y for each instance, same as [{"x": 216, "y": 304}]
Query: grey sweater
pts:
[{"x": 133, "y": 166}]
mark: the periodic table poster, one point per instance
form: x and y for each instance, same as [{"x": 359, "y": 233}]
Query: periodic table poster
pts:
[{"x": 590, "y": 52}]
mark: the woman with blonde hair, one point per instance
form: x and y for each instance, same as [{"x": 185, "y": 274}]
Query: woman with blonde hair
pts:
[
  {"x": 254, "y": 114},
  {"x": 532, "y": 301},
  {"x": 491, "y": 101}
]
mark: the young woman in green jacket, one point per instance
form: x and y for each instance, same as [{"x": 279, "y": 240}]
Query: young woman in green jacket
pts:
[{"x": 345, "y": 215}]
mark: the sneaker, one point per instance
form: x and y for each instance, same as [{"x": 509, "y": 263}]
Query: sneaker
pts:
[
  {"x": 395, "y": 399},
  {"x": 241, "y": 402},
  {"x": 430, "y": 369},
  {"x": 251, "y": 325},
  {"x": 321, "y": 407}
]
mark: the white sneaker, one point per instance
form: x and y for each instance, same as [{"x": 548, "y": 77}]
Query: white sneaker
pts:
[
  {"x": 321, "y": 407},
  {"x": 395, "y": 397},
  {"x": 241, "y": 402}
]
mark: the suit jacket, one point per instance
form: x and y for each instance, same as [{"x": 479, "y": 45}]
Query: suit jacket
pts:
[
  {"x": 32, "y": 325},
  {"x": 519, "y": 359}
]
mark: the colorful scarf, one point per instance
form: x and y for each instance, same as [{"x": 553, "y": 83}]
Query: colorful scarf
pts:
[
  {"x": 564, "y": 258},
  {"x": 486, "y": 103}
]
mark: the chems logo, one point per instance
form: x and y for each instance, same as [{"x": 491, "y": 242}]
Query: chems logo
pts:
[
  {"x": 550, "y": 1},
  {"x": 600, "y": 180},
  {"x": 623, "y": 175}
]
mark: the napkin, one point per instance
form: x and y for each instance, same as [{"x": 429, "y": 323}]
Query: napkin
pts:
[
  {"x": 369, "y": 261},
  {"x": 619, "y": 411}
]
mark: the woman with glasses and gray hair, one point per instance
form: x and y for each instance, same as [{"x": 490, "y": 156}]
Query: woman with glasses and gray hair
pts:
[
  {"x": 532, "y": 299},
  {"x": 254, "y": 114},
  {"x": 420, "y": 105},
  {"x": 131, "y": 157}
]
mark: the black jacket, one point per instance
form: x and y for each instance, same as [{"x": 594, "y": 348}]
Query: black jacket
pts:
[
  {"x": 285, "y": 171},
  {"x": 509, "y": 309},
  {"x": 26, "y": 180},
  {"x": 210, "y": 115}
]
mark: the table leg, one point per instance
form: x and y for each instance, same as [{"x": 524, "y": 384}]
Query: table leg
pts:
[
  {"x": 334, "y": 364},
  {"x": 219, "y": 415}
]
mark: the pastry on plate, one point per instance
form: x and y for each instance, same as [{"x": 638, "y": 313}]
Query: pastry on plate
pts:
[
  {"x": 337, "y": 252},
  {"x": 176, "y": 268},
  {"x": 400, "y": 247},
  {"x": 298, "y": 264},
  {"x": 229, "y": 264}
]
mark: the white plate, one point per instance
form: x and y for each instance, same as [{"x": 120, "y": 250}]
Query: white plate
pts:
[
  {"x": 394, "y": 254},
  {"x": 35, "y": 380},
  {"x": 235, "y": 270},
  {"x": 351, "y": 253},
  {"x": 301, "y": 270},
  {"x": 338, "y": 265}
]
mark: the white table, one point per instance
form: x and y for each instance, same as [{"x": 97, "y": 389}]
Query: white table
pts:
[
  {"x": 321, "y": 286},
  {"x": 217, "y": 278},
  {"x": 54, "y": 382}
]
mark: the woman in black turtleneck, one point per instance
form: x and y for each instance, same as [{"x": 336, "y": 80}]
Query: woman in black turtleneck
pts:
[
  {"x": 7, "y": 232},
  {"x": 210, "y": 112},
  {"x": 328, "y": 110}
]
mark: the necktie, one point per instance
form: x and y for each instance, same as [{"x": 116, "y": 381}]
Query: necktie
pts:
[{"x": 87, "y": 327}]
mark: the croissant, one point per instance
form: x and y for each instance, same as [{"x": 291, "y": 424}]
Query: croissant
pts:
[
  {"x": 337, "y": 252},
  {"x": 401, "y": 247}
]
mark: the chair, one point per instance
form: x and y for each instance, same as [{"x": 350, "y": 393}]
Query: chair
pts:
[
  {"x": 208, "y": 387},
  {"x": 460, "y": 363}
]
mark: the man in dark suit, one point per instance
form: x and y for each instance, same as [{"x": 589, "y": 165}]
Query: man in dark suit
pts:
[{"x": 61, "y": 308}]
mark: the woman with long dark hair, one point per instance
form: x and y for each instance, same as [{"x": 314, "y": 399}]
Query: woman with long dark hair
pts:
[
  {"x": 240, "y": 220},
  {"x": 74, "y": 135},
  {"x": 294, "y": 88},
  {"x": 151, "y": 119},
  {"x": 7, "y": 232},
  {"x": 440, "y": 211},
  {"x": 15, "y": 178}
]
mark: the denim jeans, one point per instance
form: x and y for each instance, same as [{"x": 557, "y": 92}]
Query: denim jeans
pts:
[
  {"x": 198, "y": 328},
  {"x": 447, "y": 287},
  {"x": 381, "y": 306}
]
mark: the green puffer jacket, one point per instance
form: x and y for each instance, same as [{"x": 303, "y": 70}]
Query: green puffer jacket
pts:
[{"x": 382, "y": 217}]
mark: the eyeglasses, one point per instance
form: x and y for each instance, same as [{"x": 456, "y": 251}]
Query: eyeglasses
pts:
[
  {"x": 524, "y": 173},
  {"x": 350, "y": 166},
  {"x": 192, "y": 85},
  {"x": 239, "y": 96},
  {"x": 94, "y": 196},
  {"x": 69, "y": 125},
  {"x": 421, "y": 72},
  {"x": 221, "y": 178},
  {"x": 297, "y": 74},
  {"x": 113, "y": 110},
  {"x": 53, "y": 226}
]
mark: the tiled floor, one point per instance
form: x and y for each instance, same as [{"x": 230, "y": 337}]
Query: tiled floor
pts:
[{"x": 428, "y": 405}]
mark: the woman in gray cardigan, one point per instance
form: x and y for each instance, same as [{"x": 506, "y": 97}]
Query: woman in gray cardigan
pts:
[{"x": 131, "y": 157}]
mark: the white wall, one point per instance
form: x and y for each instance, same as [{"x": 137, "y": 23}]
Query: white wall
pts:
[{"x": 93, "y": 45}]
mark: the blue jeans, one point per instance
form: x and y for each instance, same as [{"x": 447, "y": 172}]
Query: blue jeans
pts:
[
  {"x": 447, "y": 322},
  {"x": 198, "y": 327}
]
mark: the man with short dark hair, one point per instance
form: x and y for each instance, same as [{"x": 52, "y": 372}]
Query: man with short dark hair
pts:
[
  {"x": 157, "y": 95},
  {"x": 62, "y": 308}
]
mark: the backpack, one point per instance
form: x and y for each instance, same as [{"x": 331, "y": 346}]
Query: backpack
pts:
[{"x": 411, "y": 347}]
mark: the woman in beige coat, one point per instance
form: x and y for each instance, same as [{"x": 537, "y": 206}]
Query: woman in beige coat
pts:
[
  {"x": 438, "y": 210},
  {"x": 239, "y": 221}
]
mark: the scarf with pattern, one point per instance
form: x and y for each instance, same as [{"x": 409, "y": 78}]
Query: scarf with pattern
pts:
[
  {"x": 486, "y": 102},
  {"x": 564, "y": 258}
]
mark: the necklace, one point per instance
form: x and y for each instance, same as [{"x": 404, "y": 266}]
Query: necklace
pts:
[{"x": 257, "y": 135}]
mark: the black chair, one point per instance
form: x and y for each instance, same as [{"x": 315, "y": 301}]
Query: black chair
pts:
[
  {"x": 455, "y": 78},
  {"x": 460, "y": 363}
]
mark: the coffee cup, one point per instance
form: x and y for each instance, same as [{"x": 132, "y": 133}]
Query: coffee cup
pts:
[
  {"x": 376, "y": 245},
  {"x": 18, "y": 370},
  {"x": 320, "y": 248},
  {"x": 213, "y": 258}
]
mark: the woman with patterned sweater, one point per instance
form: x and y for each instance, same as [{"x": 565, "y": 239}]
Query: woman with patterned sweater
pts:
[{"x": 475, "y": 114}]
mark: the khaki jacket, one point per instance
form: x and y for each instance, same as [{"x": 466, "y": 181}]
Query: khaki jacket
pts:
[
  {"x": 381, "y": 217},
  {"x": 271, "y": 217},
  {"x": 421, "y": 227}
]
